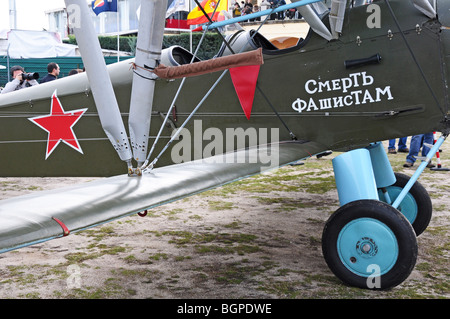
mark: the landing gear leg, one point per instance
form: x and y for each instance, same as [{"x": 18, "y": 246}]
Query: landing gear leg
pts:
[
  {"x": 367, "y": 243},
  {"x": 370, "y": 241}
]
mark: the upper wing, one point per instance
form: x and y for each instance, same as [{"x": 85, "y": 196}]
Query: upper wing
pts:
[{"x": 33, "y": 218}]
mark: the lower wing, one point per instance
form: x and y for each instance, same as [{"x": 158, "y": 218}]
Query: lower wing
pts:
[{"x": 41, "y": 216}]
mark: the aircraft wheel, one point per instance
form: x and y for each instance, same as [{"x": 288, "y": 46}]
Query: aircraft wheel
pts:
[
  {"x": 369, "y": 244},
  {"x": 416, "y": 206}
]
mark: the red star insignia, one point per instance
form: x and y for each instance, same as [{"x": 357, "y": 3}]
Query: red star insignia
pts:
[{"x": 59, "y": 125}]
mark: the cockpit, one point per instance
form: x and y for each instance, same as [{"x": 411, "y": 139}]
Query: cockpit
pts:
[{"x": 324, "y": 18}]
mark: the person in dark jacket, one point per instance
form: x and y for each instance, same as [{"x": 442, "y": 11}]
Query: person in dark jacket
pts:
[{"x": 53, "y": 72}]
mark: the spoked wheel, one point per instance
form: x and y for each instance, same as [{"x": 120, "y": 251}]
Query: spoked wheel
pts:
[
  {"x": 369, "y": 244},
  {"x": 416, "y": 206}
]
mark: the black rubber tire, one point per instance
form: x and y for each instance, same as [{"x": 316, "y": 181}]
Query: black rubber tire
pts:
[
  {"x": 390, "y": 217},
  {"x": 423, "y": 201}
]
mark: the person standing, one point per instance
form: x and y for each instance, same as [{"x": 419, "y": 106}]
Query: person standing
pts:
[
  {"x": 418, "y": 141},
  {"x": 248, "y": 7},
  {"x": 402, "y": 148},
  {"x": 280, "y": 14},
  {"x": 236, "y": 10},
  {"x": 53, "y": 72},
  {"x": 273, "y": 4}
]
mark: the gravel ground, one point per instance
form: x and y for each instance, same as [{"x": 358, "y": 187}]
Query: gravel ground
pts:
[{"x": 256, "y": 238}]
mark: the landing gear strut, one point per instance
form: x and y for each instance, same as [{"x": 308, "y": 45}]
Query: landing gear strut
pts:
[{"x": 416, "y": 206}]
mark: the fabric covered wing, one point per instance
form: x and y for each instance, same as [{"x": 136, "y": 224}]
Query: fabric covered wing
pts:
[{"x": 30, "y": 219}]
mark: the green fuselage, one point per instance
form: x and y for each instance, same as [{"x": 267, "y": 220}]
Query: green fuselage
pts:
[{"x": 317, "y": 98}]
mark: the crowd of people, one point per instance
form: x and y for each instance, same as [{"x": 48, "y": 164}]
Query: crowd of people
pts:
[
  {"x": 248, "y": 7},
  {"x": 21, "y": 80}
]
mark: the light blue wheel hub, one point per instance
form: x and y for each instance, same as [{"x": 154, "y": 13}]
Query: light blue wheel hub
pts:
[
  {"x": 366, "y": 242},
  {"x": 408, "y": 206}
]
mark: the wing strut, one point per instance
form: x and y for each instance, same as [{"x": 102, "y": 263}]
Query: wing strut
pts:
[
  {"x": 101, "y": 86},
  {"x": 426, "y": 8},
  {"x": 146, "y": 163},
  {"x": 337, "y": 13},
  {"x": 148, "y": 55},
  {"x": 148, "y": 166},
  {"x": 314, "y": 21}
]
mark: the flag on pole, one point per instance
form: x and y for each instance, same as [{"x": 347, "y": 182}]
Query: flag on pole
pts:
[
  {"x": 196, "y": 16},
  {"x": 177, "y": 5},
  {"x": 99, "y": 6}
]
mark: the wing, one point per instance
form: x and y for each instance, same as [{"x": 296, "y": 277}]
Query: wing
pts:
[{"x": 41, "y": 216}]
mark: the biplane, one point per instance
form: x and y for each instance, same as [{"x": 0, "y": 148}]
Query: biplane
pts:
[{"x": 364, "y": 73}]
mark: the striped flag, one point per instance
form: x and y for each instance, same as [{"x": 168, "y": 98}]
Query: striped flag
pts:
[{"x": 196, "y": 16}]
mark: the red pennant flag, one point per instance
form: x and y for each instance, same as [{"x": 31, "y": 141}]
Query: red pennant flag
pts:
[{"x": 244, "y": 80}]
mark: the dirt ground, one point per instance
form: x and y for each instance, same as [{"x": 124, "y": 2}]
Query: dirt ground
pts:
[{"x": 256, "y": 238}]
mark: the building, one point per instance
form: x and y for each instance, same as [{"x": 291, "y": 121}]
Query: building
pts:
[{"x": 124, "y": 22}]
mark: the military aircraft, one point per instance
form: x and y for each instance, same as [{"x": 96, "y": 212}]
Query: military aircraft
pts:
[{"x": 365, "y": 72}]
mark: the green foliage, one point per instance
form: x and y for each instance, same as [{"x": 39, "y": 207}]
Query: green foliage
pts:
[
  {"x": 109, "y": 42},
  {"x": 210, "y": 45}
]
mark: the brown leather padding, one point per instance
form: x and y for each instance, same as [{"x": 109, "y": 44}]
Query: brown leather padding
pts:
[{"x": 254, "y": 57}]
